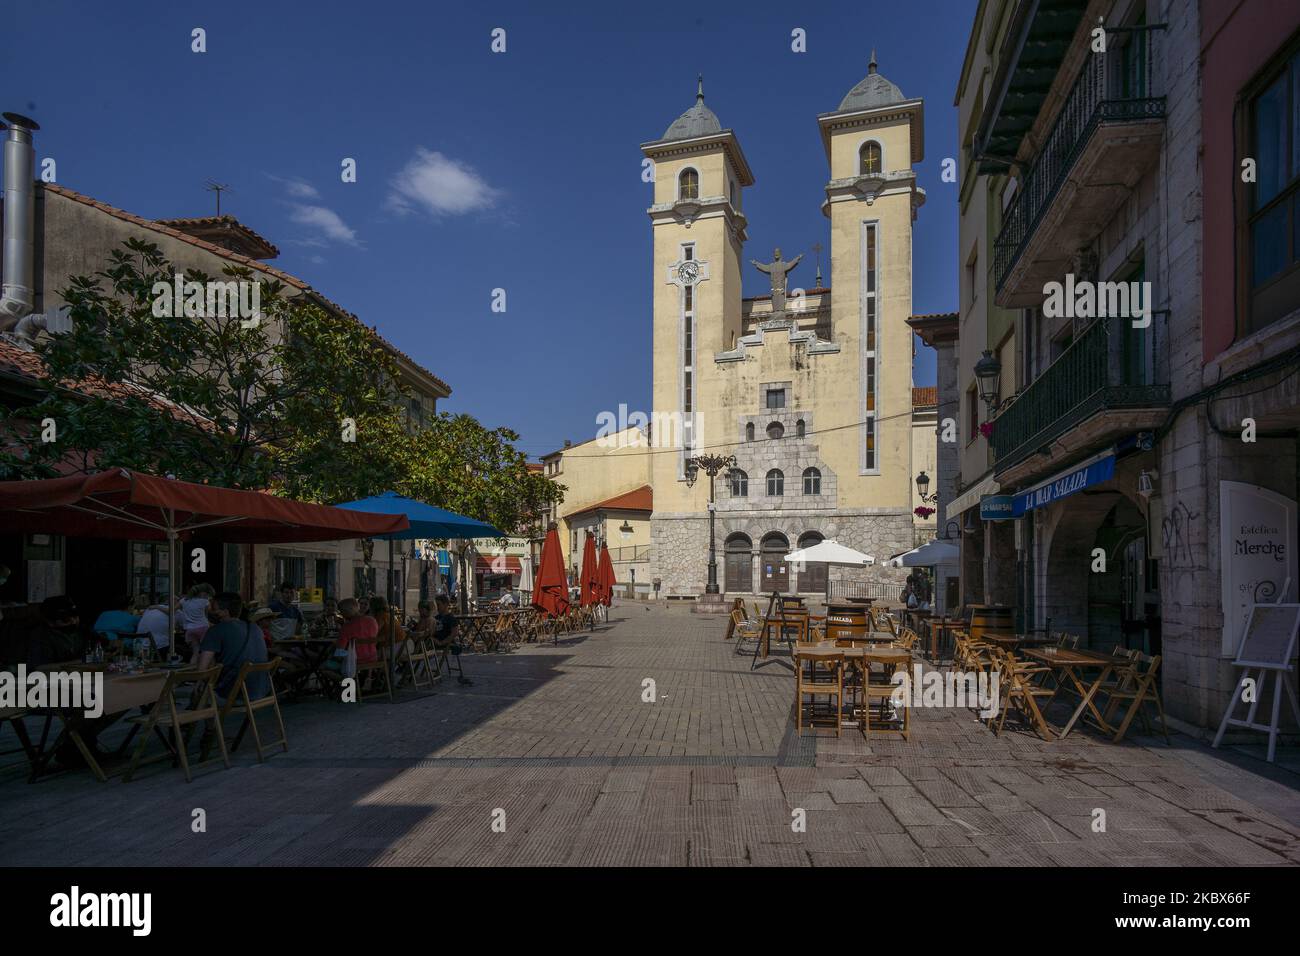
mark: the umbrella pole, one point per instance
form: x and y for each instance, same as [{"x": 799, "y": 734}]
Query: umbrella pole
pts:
[{"x": 173, "y": 569}]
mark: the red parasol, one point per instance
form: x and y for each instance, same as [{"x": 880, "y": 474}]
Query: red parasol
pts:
[
  {"x": 605, "y": 577},
  {"x": 550, "y": 589},
  {"x": 590, "y": 580}
]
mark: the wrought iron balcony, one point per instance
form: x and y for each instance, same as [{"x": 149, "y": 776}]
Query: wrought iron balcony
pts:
[
  {"x": 1106, "y": 135},
  {"x": 1099, "y": 388}
]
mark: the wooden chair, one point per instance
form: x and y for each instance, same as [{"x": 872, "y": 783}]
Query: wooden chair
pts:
[
  {"x": 745, "y": 631},
  {"x": 249, "y": 707},
  {"x": 819, "y": 673},
  {"x": 906, "y": 639},
  {"x": 379, "y": 666},
  {"x": 1137, "y": 685},
  {"x": 882, "y": 693},
  {"x": 1018, "y": 689},
  {"x": 165, "y": 713}
]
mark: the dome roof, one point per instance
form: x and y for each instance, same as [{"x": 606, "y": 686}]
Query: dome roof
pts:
[
  {"x": 873, "y": 91},
  {"x": 699, "y": 120}
]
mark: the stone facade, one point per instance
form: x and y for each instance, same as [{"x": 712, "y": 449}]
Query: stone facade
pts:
[{"x": 680, "y": 546}]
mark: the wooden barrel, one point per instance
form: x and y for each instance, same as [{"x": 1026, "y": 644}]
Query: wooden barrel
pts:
[
  {"x": 845, "y": 622},
  {"x": 991, "y": 619}
]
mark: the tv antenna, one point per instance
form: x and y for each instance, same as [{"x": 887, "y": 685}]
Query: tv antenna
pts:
[{"x": 213, "y": 186}]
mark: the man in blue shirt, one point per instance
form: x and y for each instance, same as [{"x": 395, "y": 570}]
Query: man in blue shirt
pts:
[
  {"x": 230, "y": 642},
  {"x": 284, "y": 606},
  {"x": 118, "y": 621}
]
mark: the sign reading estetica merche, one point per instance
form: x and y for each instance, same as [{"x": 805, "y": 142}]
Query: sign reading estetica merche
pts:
[{"x": 1257, "y": 551}]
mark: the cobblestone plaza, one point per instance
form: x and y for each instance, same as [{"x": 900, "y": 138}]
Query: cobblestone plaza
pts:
[{"x": 558, "y": 745}]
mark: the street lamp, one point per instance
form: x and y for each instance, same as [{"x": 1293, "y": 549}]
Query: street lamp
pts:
[
  {"x": 712, "y": 465},
  {"x": 988, "y": 375},
  {"x": 922, "y": 486}
]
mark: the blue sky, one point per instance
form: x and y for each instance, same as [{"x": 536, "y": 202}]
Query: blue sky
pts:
[{"x": 459, "y": 152}]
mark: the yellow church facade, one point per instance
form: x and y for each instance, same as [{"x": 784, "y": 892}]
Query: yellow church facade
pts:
[{"x": 809, "y": 388}]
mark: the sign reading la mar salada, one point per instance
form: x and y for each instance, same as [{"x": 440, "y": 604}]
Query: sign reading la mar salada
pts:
[{"x": 1064, "y": 486}]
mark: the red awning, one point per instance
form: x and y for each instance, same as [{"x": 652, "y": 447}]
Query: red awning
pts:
[
  {"x": 127, "y": 504},
  {"x": 497, "y": 564}
]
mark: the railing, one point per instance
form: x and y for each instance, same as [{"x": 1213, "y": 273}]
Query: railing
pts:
[
  {"x": 1115, "y": 86},
  {"x": 1088, "y": 376},
  {"x": 637, "y": 552}
]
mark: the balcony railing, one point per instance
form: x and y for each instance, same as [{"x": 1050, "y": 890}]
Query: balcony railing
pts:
[
  {"x": 1093, "y": 374},
  {"x": 1118, "y": 86},
  {"x": 633, "y": 552}
]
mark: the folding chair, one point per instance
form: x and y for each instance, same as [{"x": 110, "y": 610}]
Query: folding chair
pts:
[
  {"x": 421, "y": 660},
  {"x": 379, "y": 666},
  {"x": 165, "y": 713},
  {"x": 906, "y": 639},
  {"x": 746, "y": 632},
  {"x": 883, "y": 693},
  {"x": 445, "y": 659},
  {"x": 1018, "y": 689},
  {"x": 1138, "y": 686},
  {"x": 14, "y": 717},
  {"x": 249, "y": 707}
]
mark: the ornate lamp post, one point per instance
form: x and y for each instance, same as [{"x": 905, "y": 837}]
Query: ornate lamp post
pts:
[
  {"x": 988, "y": 377},
  {"x": 712, "y": 465},
  {"x": 922, "y": 486}
]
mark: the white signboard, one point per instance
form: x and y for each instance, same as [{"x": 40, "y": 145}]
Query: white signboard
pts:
[{"x": 1257, "y": 541}]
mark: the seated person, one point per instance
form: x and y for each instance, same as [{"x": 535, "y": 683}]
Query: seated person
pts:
[
  {"x": 327, "y": 625},
  {"x": 356, "y": 626},
  {"x": 425, "y": 625},
  {"x": 390, "y": 632},
  {"x": 230, "y": 642},
  {"x": 154, "y": 621},
  {"x": 118, "y": 623},
  {"x": 507, "y": 600},
  {"x": 56, "y": 639},
  {"x": 262, "y": 617},
  {"x": 444, "y": 635},
  {"x": 284, "y": 606}
]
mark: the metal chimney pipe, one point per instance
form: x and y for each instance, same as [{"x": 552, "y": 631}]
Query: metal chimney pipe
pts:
[{"x": 18, "y": 295}]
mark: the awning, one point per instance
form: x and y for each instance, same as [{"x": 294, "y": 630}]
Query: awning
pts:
[
  {"x": 120, "y": 503},
  {"x": 929, "y": 555},
  {"x": 424, "y": 520},
  {"x": 497, "y": 564},
  {"x": 971, "y": 496},
  {"x": 1083, "y": 475}
]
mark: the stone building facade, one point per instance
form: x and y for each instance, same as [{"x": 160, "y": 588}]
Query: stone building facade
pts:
[{"x": 808, "y": 388}]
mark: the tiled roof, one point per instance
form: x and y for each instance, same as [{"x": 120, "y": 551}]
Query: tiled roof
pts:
[
  {"x": 642, "y": 499},
  {"x": 216, "y": 225},
  {"x": 289, "y": 280},
  {"x": 926, "y": 397},
  {"x": 19, "y": 362},
  {"x": 934, "y": 315}
]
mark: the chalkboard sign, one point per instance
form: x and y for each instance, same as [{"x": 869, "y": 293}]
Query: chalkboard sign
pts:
[{"x": 1270, "y": 636}]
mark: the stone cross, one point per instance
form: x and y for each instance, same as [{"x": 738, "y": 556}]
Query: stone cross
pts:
[{"x": 778, "y": 271}]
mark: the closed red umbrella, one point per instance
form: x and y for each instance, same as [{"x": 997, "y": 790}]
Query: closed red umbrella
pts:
[
  {"x": 605, "y": 575},
  {"x": 551, "y": 590},
  {"x": 590, "y": 580}
]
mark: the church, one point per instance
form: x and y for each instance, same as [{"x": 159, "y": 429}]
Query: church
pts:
[{"x": 809, "y": 389}]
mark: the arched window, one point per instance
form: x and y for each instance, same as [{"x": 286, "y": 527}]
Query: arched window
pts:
[
  {"x": 749, "y": 432},
  {"x": 798, "y": 428},
  {"x": 739, "y": 484},
  {"x": 775, "y": 430},
  {"x": 869, "y": 159},
  {"x": 812, "y": 481},
  {"x": 688, "y": 184},
  {"x": 775, "y": 483}
]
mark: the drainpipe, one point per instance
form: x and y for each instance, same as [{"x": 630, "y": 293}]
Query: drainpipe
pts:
[{"x": 18, "y": 295}]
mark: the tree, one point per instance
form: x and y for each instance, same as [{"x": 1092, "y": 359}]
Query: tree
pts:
[
  {"x": 304, "y": 402},
  {"x": 206, "y": 398}
]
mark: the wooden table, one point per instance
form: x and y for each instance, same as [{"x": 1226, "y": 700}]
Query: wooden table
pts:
[
  {"x": 311, "y": 652},
  {"x": 474, "y": 629},
  {"x": 856, "y": 658},
  {"x": 1013, "y": 642},
  {"x": 121, "y": 694},
  {"x": 1066, "y": 663},
  {"x": 939, "y": 628}
]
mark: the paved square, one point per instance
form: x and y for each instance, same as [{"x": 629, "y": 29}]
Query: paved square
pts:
[{"x": 558, "y": 743}]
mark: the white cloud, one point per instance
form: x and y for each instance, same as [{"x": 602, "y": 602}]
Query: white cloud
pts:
[
  {"x": 440, "y": 186},
  {"x": 297, "y": 188},
  {"x": 327, "y": 223}
]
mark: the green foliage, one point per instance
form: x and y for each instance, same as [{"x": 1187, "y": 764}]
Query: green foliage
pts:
[{"x": 250, "y": 405}]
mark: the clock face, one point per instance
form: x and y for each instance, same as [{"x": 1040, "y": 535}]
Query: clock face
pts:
[{"x": 688, "y": 271}]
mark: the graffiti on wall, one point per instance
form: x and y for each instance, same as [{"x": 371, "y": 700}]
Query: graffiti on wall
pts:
[{"x": 1176, "y": 528}]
